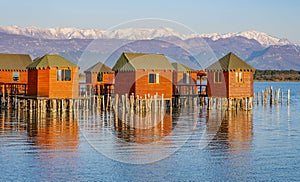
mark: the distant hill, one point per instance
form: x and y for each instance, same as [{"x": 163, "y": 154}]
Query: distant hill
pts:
[{"x": 259, "y": 49}]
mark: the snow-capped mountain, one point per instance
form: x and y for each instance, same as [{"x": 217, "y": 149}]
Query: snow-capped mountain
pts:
[
  {"x": 259, "y": 49},
  {"x": 261, "y": 37},
  {"x": 134, "y": 34}
]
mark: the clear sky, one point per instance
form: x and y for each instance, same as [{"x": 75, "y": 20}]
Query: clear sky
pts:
[{"x": 279, "y": 18}]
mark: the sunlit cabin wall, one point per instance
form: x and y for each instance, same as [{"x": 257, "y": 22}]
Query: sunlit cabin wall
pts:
[{"x": 6, "y": 76}]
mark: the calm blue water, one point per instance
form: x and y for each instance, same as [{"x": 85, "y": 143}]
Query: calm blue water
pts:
[{"x": 192, "y": 145}]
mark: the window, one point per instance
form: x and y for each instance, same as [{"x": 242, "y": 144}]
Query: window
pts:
[
  {"x": 16, "y": 76},
  {"x": 99, "y": 77},
  {"x": 63, "y": 75},
  {"x": 218, "y": 77},
  {"x": 186, "y": 78},
  {"x": 239, "y": 77},
  {"x": 153, "y": 77}
]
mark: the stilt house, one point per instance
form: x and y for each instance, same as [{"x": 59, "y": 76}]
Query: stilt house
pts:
[
  {"x": 13, "y": 73},
  {"x": 53, "y": 76},
  {"x": 142, "y": 74},
  {"x": 101, "y": 78},
  {"x": 230, "y": 77},
  {"x": 184, "y": 80}
]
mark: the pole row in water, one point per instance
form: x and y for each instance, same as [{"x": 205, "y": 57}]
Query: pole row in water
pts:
[
  {"x": 140, "y": 104},
  {"x": 273, "y": 97},
  {"x": 230, "y": 103}
]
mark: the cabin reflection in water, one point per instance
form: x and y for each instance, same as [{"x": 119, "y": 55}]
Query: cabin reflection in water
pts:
[
  {"x": 47, "y": 132},
  {"x": 54, "y": 132},
  {"x": 146, "y": 128},
  {"x": 231, "y": 129}
]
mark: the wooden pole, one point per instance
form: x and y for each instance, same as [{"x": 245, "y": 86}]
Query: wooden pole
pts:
[{"x": 288, "y": 96}]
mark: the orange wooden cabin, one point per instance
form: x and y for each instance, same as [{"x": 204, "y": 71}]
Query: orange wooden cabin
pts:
[
  {"x": 13, "y": 73},
  {"x": 142, "y": 74},
  {"x": 13, "y": 68},
  {"x": 53, "y": 76},
  {"x": 184, "y": 80},
  {"x": 230, "y": 77},
  {"x": 101, "y": 78}
]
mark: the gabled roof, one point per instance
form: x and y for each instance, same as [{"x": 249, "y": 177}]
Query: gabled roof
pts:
[
  {"x": 135, "y": 61},
  {"x": 230, "y": 62},
  {"x": 49, "y": 61},
  {"x": 14, "y": 61},
  {"x": 99, "y": 68},
  {"x": 182, "y": 68}
]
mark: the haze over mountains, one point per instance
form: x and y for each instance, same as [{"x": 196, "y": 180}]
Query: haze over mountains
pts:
[{"x": 257, "y": 48}]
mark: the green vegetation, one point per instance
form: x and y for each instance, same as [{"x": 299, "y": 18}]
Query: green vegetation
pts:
[{"x": 277, "y": 75}]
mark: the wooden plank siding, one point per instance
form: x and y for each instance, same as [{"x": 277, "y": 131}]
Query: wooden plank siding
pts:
[
  {"x": 124, "y": 83},
  {"x": 63, "y": 89},
  {"x": 32, "y": 81},
  {"x": 6, "y": 76},
  {"x": 183, "y": 88},
  {"x": 243, "y": 89},
  {"x": 217, "y": 89},
  {"x": 138, "y": 83},
  {"x": 43, "y": 83},
  {"x": 108, "y": 78},
  {"x": 229, "y": 87},
  {"x": 142, "y": 85}
]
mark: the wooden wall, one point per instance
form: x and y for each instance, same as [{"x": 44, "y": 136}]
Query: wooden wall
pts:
[
  {"x": 88, "y": 77},
  {"x": 178, "y": 78},
  {"x": 32, "y": 82},
  {"x": 63, "y": 89},
  {"x": 229, "y": 87},
  {"x": 108, "y": 78},
  {"x": 43, "y": 83},
  {"x": 6, "y": 76},
  {"x": 244, "y": 89},
  {"x": 124, "y": 83},
  {"x": 137, "y": 83},
  {"x": 163, "y": 87},
  {"x": 178, "y": 83},
  {"x": 217, "y": 89}
]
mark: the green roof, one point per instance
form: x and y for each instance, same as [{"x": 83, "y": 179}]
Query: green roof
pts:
[
  {"x": 230, "y": 62},
  {"x": 99, "y": 68},
  {"x": 135, "y": 61},
  {"x": 182, "y": 68},
  {"x": 14, "y": 61},
  {"x": 50, "y": 61}
]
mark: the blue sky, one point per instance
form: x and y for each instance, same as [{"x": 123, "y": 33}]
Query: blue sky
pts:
[{"x": 279, "y": 18}]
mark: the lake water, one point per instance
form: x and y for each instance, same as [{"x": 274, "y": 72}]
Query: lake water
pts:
[{"x": 190, "y": 145}]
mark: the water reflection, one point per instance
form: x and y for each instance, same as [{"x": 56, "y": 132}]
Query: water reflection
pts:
[
  {"x": 46, "y": 131},
  {"x": 146, "y": 128},
  {"x": 136, "y": 138},
  {"x": 233, "y": 129},
  {"x": 53, "y": 132}
]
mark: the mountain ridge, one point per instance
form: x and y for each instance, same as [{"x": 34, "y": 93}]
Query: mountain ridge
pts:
[
  {"x": 134, "y": 34},
  {"x": 279, "y": 54}
]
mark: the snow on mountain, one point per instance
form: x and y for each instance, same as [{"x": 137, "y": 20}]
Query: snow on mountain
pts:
[
  {"x": 261, "y": 37},
  {"x": 134, "y": 34}
]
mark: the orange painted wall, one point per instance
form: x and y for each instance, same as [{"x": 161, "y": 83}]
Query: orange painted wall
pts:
[
  {"x": 137, "y": 83},
  {"x": 178, "y": 80},
  {"x": 164, "y": 86},
  {"x": 108, "y": 78},
  {"x": 229, "y": 87},
  {"x": 32, "y": 82},
  {"x": 43, "y": 83},
  {"x": 244, "y": 89},
  {"x": 6, "y": 76},
  {"x": 63, "y": 89}
]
